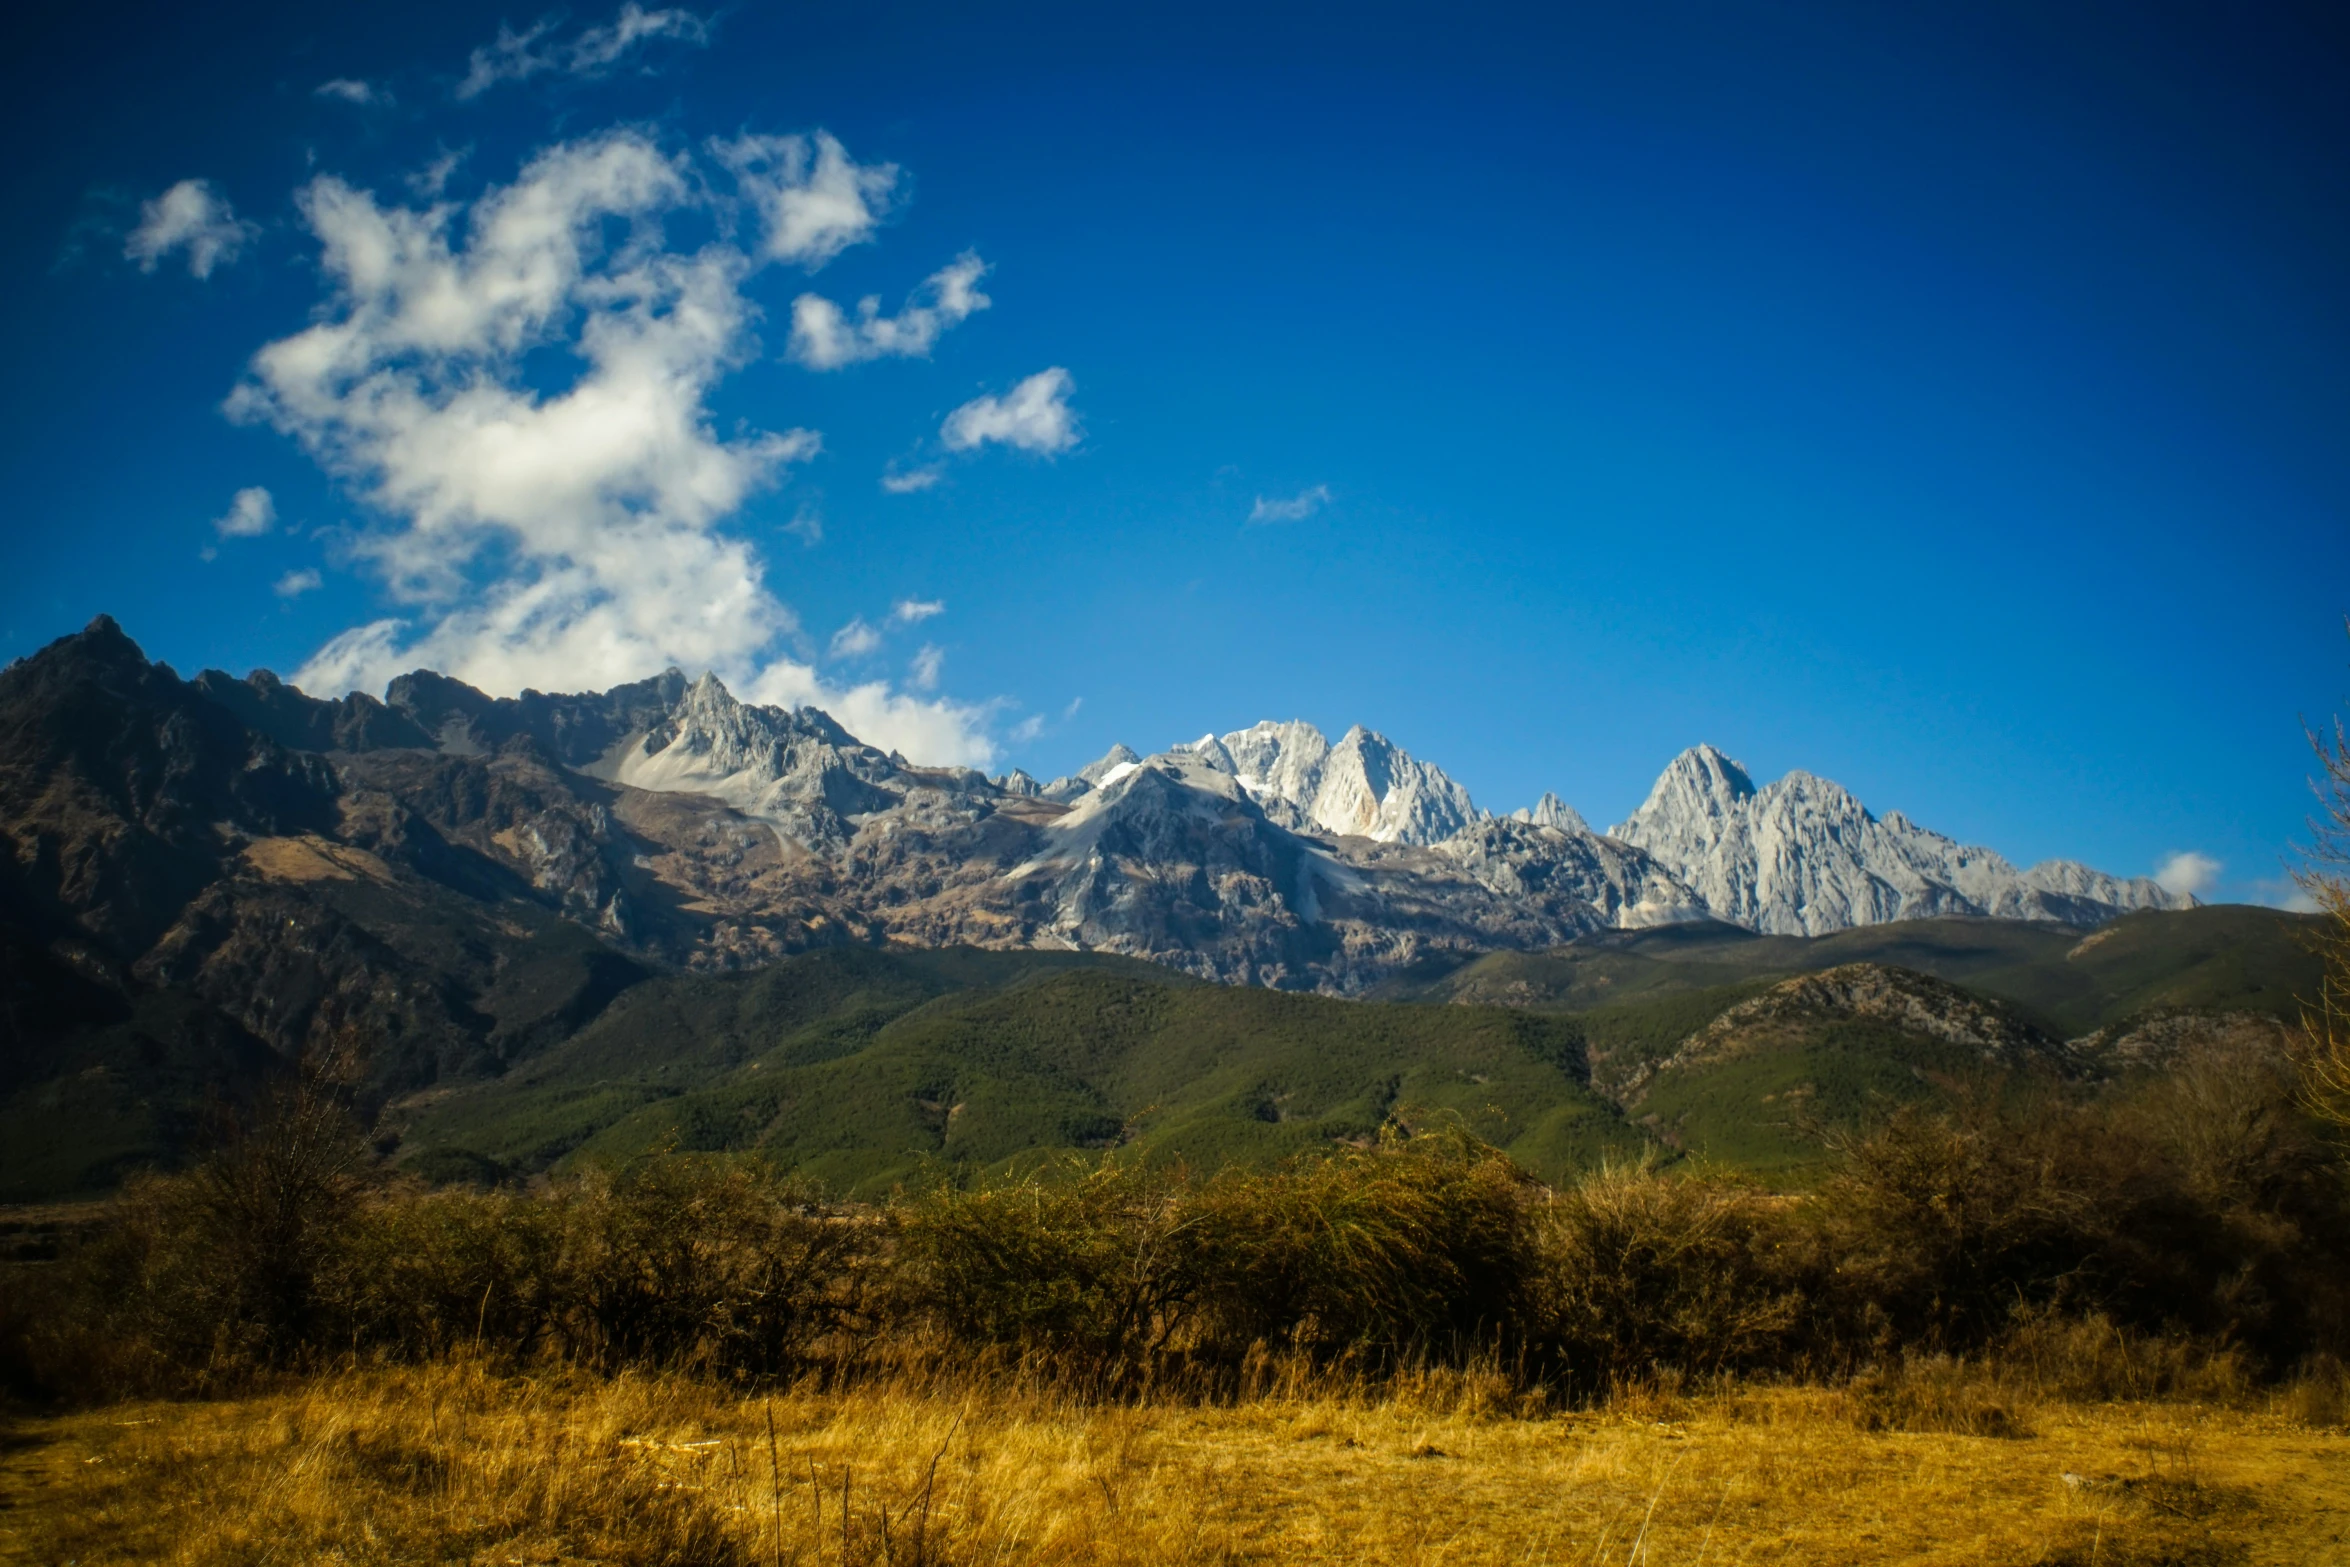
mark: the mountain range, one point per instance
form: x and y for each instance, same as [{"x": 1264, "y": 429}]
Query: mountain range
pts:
[
  {"x": 493, "y": 896},
  {"x": 692, "y": 828}
]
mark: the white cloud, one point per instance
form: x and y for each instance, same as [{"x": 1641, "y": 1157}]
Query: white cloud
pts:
[
  {"x": 517, "y": 56},
  {"x": 190, "y": 216},
  {"x": 2187, "y": 873},
  {"x": 912, "y": 612},
  {"x": 896, "y": 483},
  {"x": 1035, "y": 724},
  {"x": 296, "y": 583},
  {"x": 433, "y": 178},
  {"x": 824, "y": 338},
  {"x": 250, "y": 514},
  {"x": 1034, "y": 416},
  {"x": 806, "y": 525},
  {"x": 1296, "y": 509},
  {"x": 855, "y": 640},
  {"x": 563, "y": 537},
  {"x": 351, "y": 90},
  {"x": 813, "y": 198},
  {"x": 923, "y": 672}
]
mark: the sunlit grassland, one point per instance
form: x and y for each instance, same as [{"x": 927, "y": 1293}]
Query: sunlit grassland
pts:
[{"x": 454, "y": 1463}]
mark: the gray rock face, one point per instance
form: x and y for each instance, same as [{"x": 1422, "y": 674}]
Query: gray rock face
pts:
[
  {"x": 798, "y": 770},
  {"x": 1569, "y": 867},
  {"x": 1365, "y": 786},
  {"x": 1803, "y": 857},
  {"x": 1551, "y": 811}
]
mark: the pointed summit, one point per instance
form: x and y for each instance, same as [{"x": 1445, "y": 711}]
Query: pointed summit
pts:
[
  {"x": 1551, "y": 811},
  {"x": 1117, "y": 756}
]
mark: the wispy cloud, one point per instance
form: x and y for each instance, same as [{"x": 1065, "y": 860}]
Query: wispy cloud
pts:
[
  {"x": 813, "y": 199},
  {"x": 2187, "y": 873},
  {"x": 855, "y": 640},
  {"x": 824, "y": 338},
  {"x": 433, "y": 178},
  {"x": 351, "y": 90},
  {"x": 806, "y": 525},
  {"x": 922, "y": 674},
  {"x": 1295, "y": 509},
  {"x": 560, "y": 536},
  {"x": 296, "y": 583},
  {"x": 908, "y": 482},
  {"x": 912, "y": 612},
  {"x": 516, "y": 57},
  {"x": 1034, "y": 416},
  {"x": 193, "y": 217},
  {"x": 2283, "y": 892},
  {"x": 250, "y": 514},
  {"x": 1035, "y": 724}
]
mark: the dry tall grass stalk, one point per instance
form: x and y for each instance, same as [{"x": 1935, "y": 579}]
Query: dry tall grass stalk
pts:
[{"x": 454, "y": 1464}]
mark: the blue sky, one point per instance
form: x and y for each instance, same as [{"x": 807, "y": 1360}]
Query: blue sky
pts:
[{"x": 1951, "y": 404}]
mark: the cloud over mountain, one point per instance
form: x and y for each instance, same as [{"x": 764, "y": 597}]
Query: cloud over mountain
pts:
[{"x": 571, "y": 535}]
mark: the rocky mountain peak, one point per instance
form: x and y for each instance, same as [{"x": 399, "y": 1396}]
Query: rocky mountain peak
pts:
[
  {"x": 1117, "y": 756},
  {"x": 1702, "y": 777},
  {"x": 1804, "y": 856},
  {"x": 1210, "y": 752},
  {"x": 1365, "y": 786},
  {"x": 1551, "y": 811}
]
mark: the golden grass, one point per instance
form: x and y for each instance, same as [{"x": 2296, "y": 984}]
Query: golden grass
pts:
[{"x": 455, "y": 1464}]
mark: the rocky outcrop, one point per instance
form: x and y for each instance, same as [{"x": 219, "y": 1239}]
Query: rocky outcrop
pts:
[
  {"x": 1365, "y": 786},
  {"x": 1551, "y": 811},
  {"x": 1900, "y": 998},
  {"x": 1565, "y": 870},
  {"x": 124, "y": 791},
  {"x": 1803, "y": 857}
]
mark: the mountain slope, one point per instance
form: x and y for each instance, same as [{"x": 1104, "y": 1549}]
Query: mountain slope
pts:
[
  {"x": 1770, "y": 1079},
  {"x": 866, "y": 1068}
]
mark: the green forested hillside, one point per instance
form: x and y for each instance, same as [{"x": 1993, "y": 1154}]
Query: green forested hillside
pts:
[
  {"x": 2228, "y": 956},
  {"x": 866, "y": 1067}
]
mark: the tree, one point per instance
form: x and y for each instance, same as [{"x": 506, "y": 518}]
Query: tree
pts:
[{"x": 2325, "y": 876}]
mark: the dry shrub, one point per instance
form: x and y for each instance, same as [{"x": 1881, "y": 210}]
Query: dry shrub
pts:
[
  {"x": 2319, "y": 1397},
  {"x": 1942, "y": 1225},
  {"x": 715, "y": 1265},
  {"x": 2202, "y": 1206},
  {"x": 1642, "y": 1270},
  {"x": 1939, "y": 1394},
  {"x": 1416, "y": 1247},
  {"x": 1117, "y": 1274},
  {"x": 426, "y": 1273},
  {"x": 2093, "y": 1359},
  {"x": 1091, "y": 1267}
]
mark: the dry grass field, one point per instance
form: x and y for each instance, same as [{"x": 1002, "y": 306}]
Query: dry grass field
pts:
[{"x": 453, "y": 1463}]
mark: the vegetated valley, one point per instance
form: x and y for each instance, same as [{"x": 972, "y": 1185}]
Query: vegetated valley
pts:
[{"x": 446, "y": 1129}]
